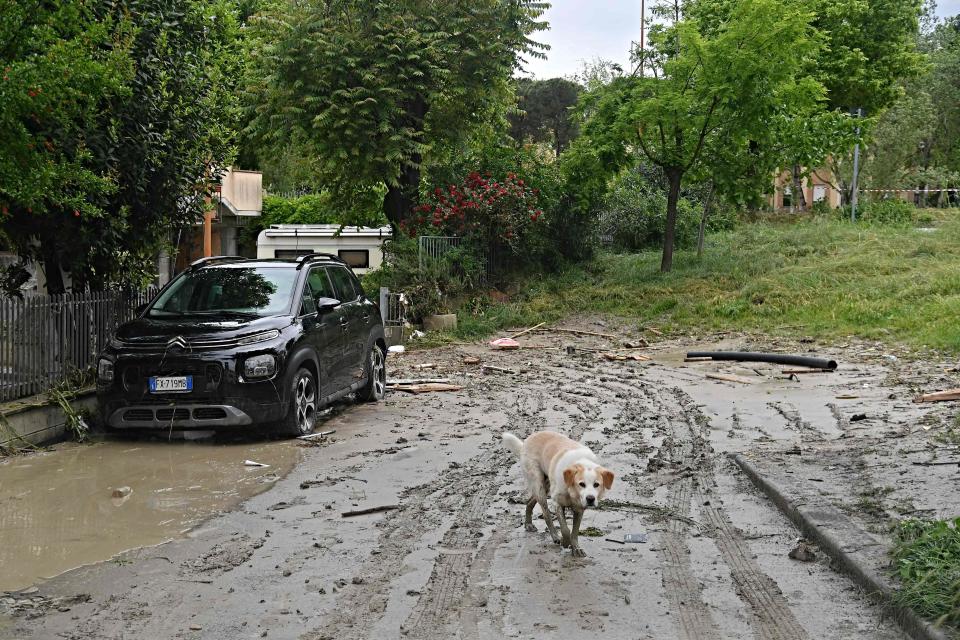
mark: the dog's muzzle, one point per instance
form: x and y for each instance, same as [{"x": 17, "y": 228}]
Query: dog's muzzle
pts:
[{"x": 591, "y": 501}]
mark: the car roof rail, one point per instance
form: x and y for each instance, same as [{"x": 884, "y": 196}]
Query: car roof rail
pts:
[
  {"x": 211, "y": 259},
  {"x": 313, "y": 256}
]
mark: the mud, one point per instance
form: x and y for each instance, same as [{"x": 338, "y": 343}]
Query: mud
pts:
[
  {"x": 454, "y": 561},
  {"x": 82, "y": 504}
]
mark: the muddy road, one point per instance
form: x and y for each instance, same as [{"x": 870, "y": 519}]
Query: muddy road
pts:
[{"x": 453, "y": 559}]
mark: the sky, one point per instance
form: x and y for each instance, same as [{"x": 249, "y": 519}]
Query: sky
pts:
[{"x": 582, "y": 30}]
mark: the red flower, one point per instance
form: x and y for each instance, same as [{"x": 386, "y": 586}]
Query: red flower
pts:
[{"x": 76, "y": 214}]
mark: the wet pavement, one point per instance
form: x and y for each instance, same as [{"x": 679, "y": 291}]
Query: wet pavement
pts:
[
  {"x": 81, "y": 504},
  {"x": 453, "y": 560}
]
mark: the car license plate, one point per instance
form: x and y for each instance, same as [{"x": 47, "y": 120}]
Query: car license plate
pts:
[{"x": 171, "y": 384}]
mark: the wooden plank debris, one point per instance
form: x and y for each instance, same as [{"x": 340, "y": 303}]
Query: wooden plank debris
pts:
[
  {"x": 490, "y": 367},
  {"x": 426, "y": 387},
  {"x": 939, "y": 396},
  {"x": 625, "y": 356}
]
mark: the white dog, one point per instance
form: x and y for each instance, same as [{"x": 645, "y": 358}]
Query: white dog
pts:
[{"x": 565, "y": 471}]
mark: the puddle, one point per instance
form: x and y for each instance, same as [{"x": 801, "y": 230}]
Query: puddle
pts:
[{"x": 70, "y": 507}]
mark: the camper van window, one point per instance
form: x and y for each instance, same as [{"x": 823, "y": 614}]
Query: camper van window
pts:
[
  {"x": 290, "y": 254},
  {"x": 356, "y": 258}
]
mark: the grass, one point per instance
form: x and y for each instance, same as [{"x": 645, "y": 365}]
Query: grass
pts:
[
  {"x": 927, "y": 560},
  {"x": 816, "y": 277}
]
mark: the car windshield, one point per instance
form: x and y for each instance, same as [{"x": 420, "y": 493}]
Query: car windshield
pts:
[{"x": 227, "y": 291}]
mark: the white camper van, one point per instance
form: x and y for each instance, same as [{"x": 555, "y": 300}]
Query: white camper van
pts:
[{"x": 359, "y": 247}]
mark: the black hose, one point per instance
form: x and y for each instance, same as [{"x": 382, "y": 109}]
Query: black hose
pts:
[{"x": 776, "y": 358}]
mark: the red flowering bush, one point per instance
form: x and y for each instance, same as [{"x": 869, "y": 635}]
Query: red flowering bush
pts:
[{"x": 493, "y": 212}]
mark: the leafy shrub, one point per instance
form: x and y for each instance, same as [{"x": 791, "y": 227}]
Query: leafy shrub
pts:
[
  {"x": 927, "y": 560},
  {"x": 634, "y": 213},
  {"x": 433, "y": 286},
  {"x": 564, "y": 234},
  {"x": 892, "y": 212},
  {"x": 821, "y": 208},
  {"x": 496, "y": 213}
]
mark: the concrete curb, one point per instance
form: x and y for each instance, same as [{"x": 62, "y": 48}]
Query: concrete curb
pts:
[
  {"x": 831, "y": 529},
  {"x": 38, "y": 421}
]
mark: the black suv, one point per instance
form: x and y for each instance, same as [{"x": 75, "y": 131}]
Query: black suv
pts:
[{"x": 232, "y": 342}]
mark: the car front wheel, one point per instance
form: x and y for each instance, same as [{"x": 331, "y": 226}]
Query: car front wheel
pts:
[
  {"x": 376, "y": 367},
  {"x": 302, "y": 414}
]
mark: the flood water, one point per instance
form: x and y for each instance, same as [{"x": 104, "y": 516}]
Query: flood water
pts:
[{"x": 70, "y": 507}]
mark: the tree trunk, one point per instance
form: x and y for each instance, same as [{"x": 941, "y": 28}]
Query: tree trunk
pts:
[
  {"x": 51, "y": 270},
  {"x": 799, "y": 200},
  {"x": 673, "y": 195},
  {"x": 400, "y": 198},
  {"x": 703, "y": 221}
]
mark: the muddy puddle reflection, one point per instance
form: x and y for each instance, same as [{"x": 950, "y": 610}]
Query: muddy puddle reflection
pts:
[{"x": 85, "y": 503}]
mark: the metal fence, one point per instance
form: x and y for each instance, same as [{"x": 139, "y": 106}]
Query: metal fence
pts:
[
  {"x": 44, "y": 339},
  {"x": 432, "y": 249},
  {"x": 392, "y": 308}
]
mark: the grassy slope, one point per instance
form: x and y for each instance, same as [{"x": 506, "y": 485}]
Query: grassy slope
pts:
[{"x": 817, "y": 277}]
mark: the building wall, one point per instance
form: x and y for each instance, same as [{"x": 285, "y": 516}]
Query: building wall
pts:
[{"x": 815, "y": 187}]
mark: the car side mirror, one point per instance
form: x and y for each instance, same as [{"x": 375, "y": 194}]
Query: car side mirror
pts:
[{"x": 325, "y": 305}]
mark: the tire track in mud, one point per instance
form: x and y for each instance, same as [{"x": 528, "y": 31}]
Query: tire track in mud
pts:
[
  {"x": 683, "y": 591},
  {"x": 448, "y": 582},
  {"x": 772, "y": 617},
  {"x": 685, "y": 449},
  {"x": 361, "y": 606},
  {"x": 442, "y": 599}
]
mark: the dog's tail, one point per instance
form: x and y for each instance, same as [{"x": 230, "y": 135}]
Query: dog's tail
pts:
[{"x": 513, "y": 443}]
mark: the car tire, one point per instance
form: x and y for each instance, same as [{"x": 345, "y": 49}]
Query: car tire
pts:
[
  {"x": 301, "y": 415},
  {"x": 376, "y": 374}
]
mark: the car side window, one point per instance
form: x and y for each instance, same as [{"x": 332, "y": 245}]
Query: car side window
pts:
[
  {"x": 307, "y": 303},
  {"x": 321, "y": 284},
  {"x": 343, "y": 283}
]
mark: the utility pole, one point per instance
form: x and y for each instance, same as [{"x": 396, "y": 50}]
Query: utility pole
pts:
[
  {"x": 643, "y": 24},
  {"x": 856, "y": 171}
]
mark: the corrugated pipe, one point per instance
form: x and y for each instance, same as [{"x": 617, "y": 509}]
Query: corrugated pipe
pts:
[{"x": 776, "y": 358}]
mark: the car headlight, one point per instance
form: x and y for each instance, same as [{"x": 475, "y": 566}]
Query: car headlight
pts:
[
  {"x": 262, "y": 366},
  {"x": 258, "y": 337},
  {"x": 105, "y": 370}
]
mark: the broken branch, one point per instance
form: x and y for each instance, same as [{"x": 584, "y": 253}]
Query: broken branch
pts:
[
  {"x": 580, "y": 332},
  {"x": 526, "y": 331},
  {"x": 363, "y": 512},
  {"x": 731, "y": 378}
]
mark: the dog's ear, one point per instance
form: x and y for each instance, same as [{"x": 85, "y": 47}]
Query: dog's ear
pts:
[
  {"x": 570, "y": 475},
  {"x": 607, "y": 476}
]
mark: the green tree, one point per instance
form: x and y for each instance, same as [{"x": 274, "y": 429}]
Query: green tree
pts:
[
  {"x": 869, "y": 49},
  {"x": 712, "y": 102},
  {"x": 368, "y": 89},
  {"x": 119, "y": 155},
  {"x": 545, "y": 112},
  {"x": 59, "y": 62}
]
